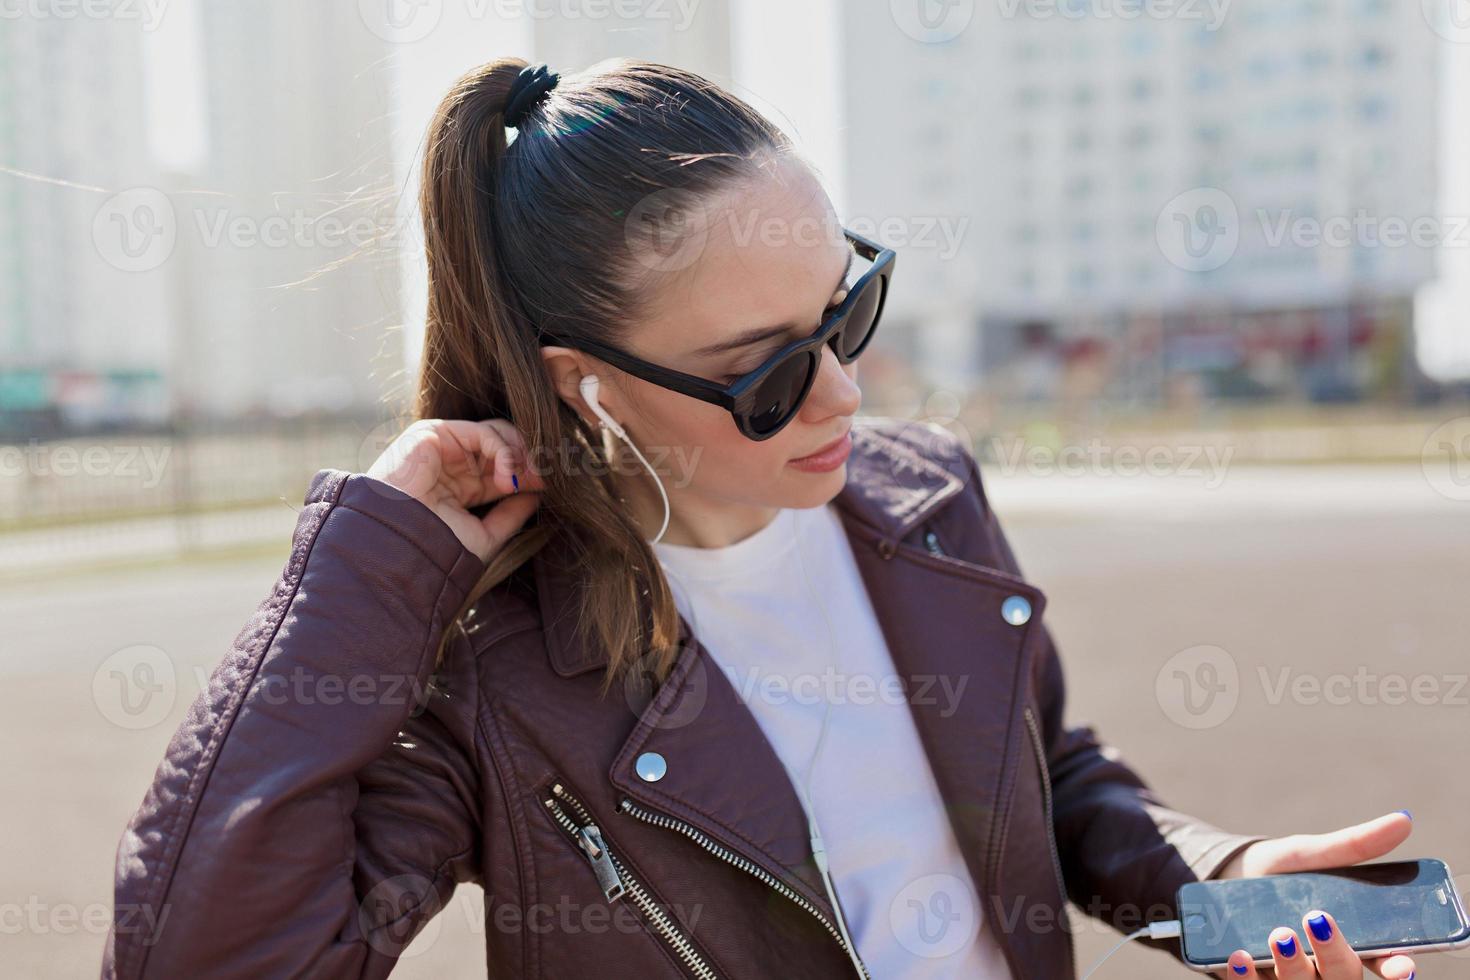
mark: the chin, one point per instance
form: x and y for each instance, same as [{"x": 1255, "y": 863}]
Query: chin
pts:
[{"x": 816, "y": 489}]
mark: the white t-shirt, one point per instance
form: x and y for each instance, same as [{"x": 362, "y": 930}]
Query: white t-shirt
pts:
[{"x": 785, "y": 614}]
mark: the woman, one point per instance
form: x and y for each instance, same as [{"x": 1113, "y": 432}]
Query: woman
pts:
[{"x": 571, "y": 659}]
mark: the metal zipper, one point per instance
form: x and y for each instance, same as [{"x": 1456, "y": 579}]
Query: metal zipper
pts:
[
  {"x": 1034, "y": 728},
  {"x": 740, "y": 861},
  {"x": 616, "y": 881}
]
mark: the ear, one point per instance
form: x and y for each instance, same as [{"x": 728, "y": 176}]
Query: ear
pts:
[{"x": 565, "y": 368}]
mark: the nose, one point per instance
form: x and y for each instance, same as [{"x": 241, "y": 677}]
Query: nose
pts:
[{"x": 834, "y": 391}]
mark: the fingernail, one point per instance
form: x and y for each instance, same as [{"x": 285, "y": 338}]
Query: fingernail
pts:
[
  {"x": 515, "y": 482},
  {"x": 1287, "y": 947},
  {"x": 1321, "y": 928},
  {"x": 1407, "y": 814},
  {"x": 1239, "y": 969}
]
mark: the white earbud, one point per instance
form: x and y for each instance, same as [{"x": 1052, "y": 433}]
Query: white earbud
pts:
[{"x": 588, "y": 387}]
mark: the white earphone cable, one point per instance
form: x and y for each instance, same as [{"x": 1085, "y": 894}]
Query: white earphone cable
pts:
[{"x": 589, "y": 385}]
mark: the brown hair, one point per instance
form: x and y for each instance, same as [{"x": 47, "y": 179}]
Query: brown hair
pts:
[{"x": 540, "y": 235}]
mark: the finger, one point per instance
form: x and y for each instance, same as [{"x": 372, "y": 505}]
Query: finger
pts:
[
  {"x": 1288, "y": 957},
  {"x": 515, "y": 458},
  {"x": 483, "y": 455},
  {"x": 1339, "y": 848},
  {"x": 1241, "y": 965},
  {"x": 1335, "y": 958},
  {"x": 1397, "y": 967},
  {"x": 507, "y": 516}
]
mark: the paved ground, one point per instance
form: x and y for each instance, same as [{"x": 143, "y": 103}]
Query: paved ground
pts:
[{"x": 1348, "y": 578}]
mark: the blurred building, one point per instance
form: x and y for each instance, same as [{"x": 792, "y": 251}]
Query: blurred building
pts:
[
  {"x": 255, "y": 278},
  {"x": 81, "y": 340},
  {"x": 1228, "y": 201}
]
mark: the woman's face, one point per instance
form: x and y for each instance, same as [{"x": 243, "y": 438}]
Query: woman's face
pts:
[{"x": 768, "y": 264}]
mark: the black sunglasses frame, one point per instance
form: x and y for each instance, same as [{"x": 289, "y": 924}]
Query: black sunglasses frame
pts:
[{"x": 738, "y": 396}]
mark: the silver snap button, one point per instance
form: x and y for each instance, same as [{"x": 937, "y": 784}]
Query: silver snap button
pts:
[
  {"x": 1016, "y": 610},
  {"x": 651, "y": 767}
]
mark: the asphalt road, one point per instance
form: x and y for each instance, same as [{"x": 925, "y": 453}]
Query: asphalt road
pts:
[{"x": 1338, "y": 598}]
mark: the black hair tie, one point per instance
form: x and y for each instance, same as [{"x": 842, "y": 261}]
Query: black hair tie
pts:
[{"x": 529, "y": 88}]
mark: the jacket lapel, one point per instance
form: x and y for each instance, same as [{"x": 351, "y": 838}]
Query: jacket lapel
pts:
[{"x": 959, "y": 659}]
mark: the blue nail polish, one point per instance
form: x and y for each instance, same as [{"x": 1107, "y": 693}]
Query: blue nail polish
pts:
[
  {"x": 1321, "y": 928},
  {"x": 1411, "y": 817},
  {"x": 1240, "y": 970},
  {"x": 1287, "y": 947},
  {"x": 515, "y": 482}
]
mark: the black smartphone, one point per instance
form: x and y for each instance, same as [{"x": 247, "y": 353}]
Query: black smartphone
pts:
[{"x": 1396, "y": 906}]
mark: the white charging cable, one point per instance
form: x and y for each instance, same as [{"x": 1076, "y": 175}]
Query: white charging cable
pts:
[
  {"x": 588, "y": 387},
  {"x": 1154, "y": 930}
]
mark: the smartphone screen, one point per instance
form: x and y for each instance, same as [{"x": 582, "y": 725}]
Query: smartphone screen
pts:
[{"x": 1377, "y": 906}]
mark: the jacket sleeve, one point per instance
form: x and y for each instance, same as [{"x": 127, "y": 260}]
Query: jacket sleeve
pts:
[
  {"x": 1124, "y": 853},
  {"x": 320, "y": 801}
]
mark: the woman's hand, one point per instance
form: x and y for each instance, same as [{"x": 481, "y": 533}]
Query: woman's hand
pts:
[
  {"x": 1335, "y": 960},
  {"x": 451, "y": 465}
]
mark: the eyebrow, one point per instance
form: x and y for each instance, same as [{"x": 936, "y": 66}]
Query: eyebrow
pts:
[{"x": 765, "y": 333}]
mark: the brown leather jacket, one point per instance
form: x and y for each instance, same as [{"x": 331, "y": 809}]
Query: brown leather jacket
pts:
[{"x": 326, "y": 793}]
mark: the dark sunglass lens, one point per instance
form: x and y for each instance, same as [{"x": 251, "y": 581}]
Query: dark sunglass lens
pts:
[
  {"x": 775, "y": 398},
  {"x": 860, "y": 320}
]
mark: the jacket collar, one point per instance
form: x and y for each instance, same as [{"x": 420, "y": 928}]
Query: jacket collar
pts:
[{"x": 892, "y": 486}]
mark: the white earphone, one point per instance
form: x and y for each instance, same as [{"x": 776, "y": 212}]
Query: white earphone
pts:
[{"x": 588, "y": 387}]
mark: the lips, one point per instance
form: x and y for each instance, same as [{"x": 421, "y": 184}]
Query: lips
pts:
[{"x": 827, "y": 448}]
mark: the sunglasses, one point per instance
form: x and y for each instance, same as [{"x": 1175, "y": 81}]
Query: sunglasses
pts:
[{"x": 764, "y": 400}]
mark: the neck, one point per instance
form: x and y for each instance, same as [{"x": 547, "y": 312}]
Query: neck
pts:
[{"x": 695, "y": 520}]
